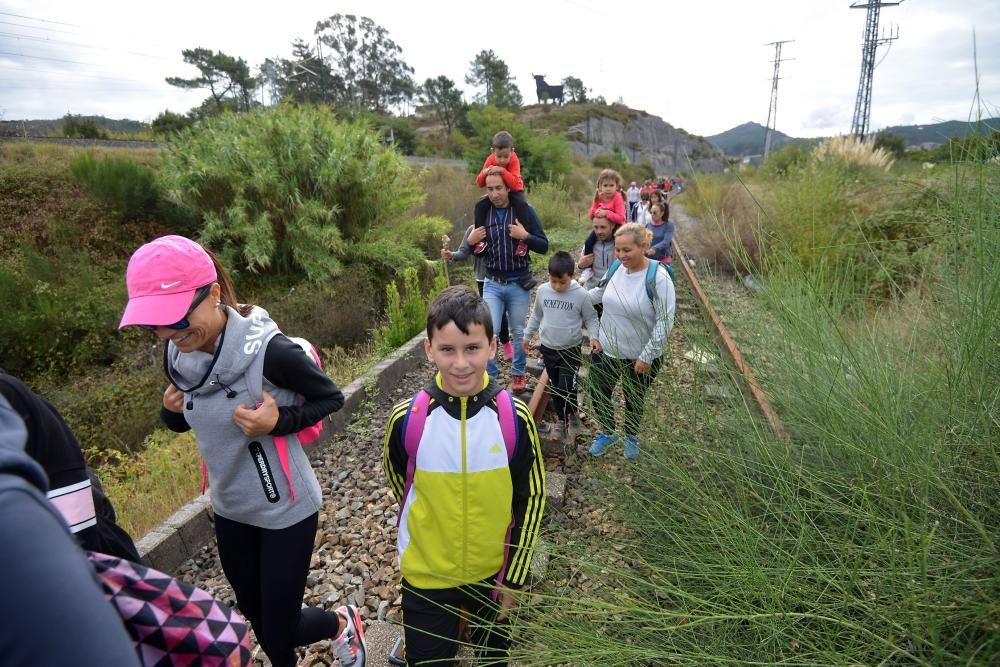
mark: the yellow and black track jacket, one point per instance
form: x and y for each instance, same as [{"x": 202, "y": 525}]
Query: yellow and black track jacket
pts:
[{"x": 470, "y": 513}]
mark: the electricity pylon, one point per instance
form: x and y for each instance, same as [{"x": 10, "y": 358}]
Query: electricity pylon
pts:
[
  {"x": 772, "y": 110},
  {"x": 863, "y": 104}
]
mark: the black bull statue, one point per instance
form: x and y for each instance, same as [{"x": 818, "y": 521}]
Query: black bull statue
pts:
[{"x": 546, "y": 92}]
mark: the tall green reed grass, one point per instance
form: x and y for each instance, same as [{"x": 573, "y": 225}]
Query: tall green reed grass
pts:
[
  {"x": 127, "y": 187},
  {"x": 872, "y": 540}
]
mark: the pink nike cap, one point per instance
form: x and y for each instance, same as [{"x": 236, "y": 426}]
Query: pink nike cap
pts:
[{"x": 162, "y": 277}]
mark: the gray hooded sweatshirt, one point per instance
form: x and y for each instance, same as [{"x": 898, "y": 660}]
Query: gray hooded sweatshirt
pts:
[
  {"x": 245, "y": 477},
  {"x": 559, "y": 317}
]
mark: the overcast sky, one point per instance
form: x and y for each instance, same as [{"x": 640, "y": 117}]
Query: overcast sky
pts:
[{"x": 702, "y": 66}]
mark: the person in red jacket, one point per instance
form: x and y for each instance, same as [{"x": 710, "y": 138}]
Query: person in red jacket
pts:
[
  {"x": 502, "y": 155},
  {"x": 609, "y": 201}
]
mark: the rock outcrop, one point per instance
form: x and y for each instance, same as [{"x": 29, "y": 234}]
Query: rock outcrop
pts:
[{"x": 645, "y": 137}]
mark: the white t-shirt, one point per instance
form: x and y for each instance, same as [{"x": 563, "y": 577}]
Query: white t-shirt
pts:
[{"x": 631, "y": 326}]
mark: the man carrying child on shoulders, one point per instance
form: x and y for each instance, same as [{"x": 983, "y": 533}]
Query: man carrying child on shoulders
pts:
[{"x": 508, "y": 242}]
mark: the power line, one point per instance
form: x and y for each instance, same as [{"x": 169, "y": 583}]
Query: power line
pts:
[
  {"x": 32, "y": 18},
  {"x": 21, "y": 83},
  {"x": 88, "y": 31},
  {"x": 45, "y": 28},
  {"x": 58, "y": 60},
  {"x": 85, "y": 46},
  {"x": 76, "y": 73}
]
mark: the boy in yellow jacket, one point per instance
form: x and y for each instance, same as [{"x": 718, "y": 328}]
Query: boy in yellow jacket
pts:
[{"x": 463, "y": 459}]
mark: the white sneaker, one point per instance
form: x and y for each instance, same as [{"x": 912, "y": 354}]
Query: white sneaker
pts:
[{"x": 350, "y": 647}]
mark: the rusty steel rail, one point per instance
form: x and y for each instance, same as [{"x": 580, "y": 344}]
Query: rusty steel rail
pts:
[{"x": 730, "y": 348}]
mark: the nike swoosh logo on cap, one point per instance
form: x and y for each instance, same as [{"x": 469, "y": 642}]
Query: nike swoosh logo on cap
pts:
[{"x": 169, "y": 285}]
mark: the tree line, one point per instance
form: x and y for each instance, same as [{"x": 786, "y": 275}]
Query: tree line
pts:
[{"x": 351, "y": 65}]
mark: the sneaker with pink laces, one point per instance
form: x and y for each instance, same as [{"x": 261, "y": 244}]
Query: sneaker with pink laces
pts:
[
  {"x": 508, "y": 350},
  {"x": 350, "y": 647}
]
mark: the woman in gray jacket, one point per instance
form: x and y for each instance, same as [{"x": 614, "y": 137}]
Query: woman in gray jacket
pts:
[{"x": 265, "y": 530}]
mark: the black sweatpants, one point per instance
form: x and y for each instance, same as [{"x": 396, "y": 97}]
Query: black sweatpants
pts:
[
  {"x": 504, "y": 334},
  {"x": 431, "y": 619},
  {"x": 605, "y": 372},
  {"x": 267, "y": 570},
  {"x": 562, "y": 367}
]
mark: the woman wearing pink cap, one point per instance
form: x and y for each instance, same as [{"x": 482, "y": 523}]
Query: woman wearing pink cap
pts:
[{"x": 264, "y": 525}]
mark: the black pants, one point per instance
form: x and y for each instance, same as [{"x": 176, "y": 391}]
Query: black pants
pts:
[
  {"x": 431, "y": 618},
  {"x": 562, "y": 367},
  {"x": 605, "y": 372},
  {"x": 267, "y": 570},
  {"x": 504, "y": 334}
]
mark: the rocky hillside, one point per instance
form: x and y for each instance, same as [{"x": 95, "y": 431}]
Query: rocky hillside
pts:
[{"x": 594, "y": 130}]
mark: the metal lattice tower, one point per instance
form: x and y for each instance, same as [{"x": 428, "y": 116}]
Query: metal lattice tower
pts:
[
  {"x": 863, "y": 104},
  {"x": 772, "y": 110}
]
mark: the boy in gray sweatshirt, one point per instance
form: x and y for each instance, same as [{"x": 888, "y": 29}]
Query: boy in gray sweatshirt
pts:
[{"x": 562, "y": 308}]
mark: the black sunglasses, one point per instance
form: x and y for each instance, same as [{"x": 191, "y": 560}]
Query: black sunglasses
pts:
[{"x": 183, "y": 322}]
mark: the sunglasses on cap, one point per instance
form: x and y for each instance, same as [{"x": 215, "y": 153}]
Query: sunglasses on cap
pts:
[{"x": 183, "y": 323}]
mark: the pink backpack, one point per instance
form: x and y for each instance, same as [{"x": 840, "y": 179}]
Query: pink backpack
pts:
[{"x": 255, "y": 385}]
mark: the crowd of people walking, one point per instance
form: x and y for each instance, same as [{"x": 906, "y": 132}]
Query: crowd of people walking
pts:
[{"x": 462, "y": 456}]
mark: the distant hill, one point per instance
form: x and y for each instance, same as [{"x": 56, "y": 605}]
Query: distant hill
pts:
[
  {"x": 747, "y": 139},
  {"x": 940, "y": 133},
  {"x": 51, "y": 127}
]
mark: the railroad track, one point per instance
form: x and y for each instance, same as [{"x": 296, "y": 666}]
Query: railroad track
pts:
[{"x": 726, "y": 346}]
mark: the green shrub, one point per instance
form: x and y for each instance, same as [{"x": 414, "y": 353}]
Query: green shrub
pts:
[
  {"x": 894, "y": 144},
  {"x": 451, "y": 194},
  {"x": 733, "y": 228},
  {"x": 149, "y": 486},
  {"x": 125, "y": 186},
  {"x": 406, "y": 314},
  {"x": 397, "y": 132},
  {"x": 302, "y": 308},
  {"x": 58, "y": 310},
  {"x": 117, "y": 407},
  {"x": 168, "y": 123},
  {"x": 78, "y": 127},
  {"x": 290, "y": 189},
  {"x": 424, "y": 231},
  {"x": 783, "y": 160},
  {"x": 437, "y": 144},
  {"x": 552, "y": 203},
  {"x": 614, "y": 160}
]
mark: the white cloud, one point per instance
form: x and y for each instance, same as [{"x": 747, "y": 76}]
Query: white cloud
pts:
[{"x": 700, "y": 66}]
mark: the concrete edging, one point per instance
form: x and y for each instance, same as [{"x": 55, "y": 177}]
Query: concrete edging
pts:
[{"x": 188, "y": 529}]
